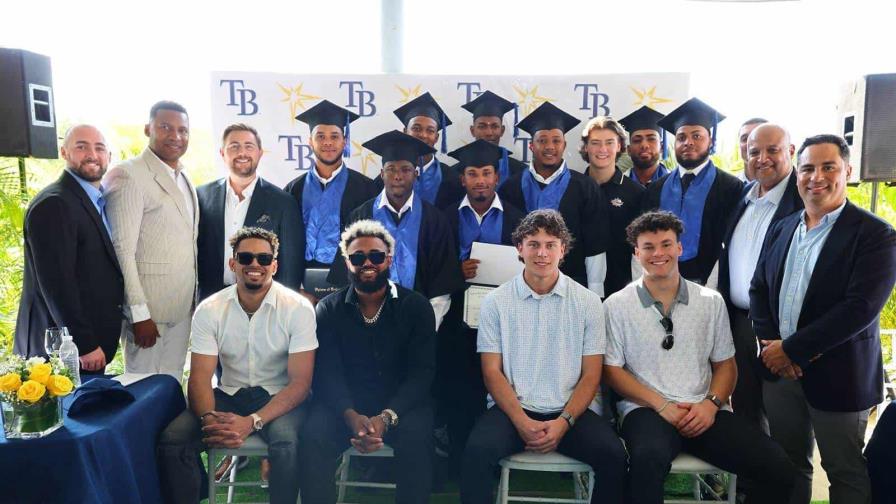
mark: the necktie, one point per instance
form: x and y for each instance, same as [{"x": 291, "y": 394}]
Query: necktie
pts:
[{"x": 686, "y": 180}]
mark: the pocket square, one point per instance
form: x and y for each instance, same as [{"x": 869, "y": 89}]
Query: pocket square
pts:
[{"x": 264, "y": 218}]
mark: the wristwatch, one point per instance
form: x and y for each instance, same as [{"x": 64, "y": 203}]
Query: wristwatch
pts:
[
  {"x": 257, "y": 422},
  {"x": 390, "y": 418},
  {"x": 568, "y": 417},
  {"x": 715, "y": 400}
]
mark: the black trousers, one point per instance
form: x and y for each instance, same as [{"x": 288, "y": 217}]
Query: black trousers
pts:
[
  {"x": 591, "y": 440},
  {"x": 731, "y": 444},
  {"x": 325, "y": 436},
  {"x": 747, "y": 397}
]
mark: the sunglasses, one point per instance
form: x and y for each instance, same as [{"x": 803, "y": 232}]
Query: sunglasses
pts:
[
  {"x": 376, "y": 257},
  {"x": 245, "y": 258},
  {"x": 669, "y": 340}
]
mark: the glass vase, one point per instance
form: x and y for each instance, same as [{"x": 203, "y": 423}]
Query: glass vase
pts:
[{"x": 33, "y": 420}]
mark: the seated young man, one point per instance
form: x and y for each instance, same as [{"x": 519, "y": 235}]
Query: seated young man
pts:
[
  {"x": 263, "y": 334},
  {"x": 541, "y": 337},
  {"x": 670, "y": 355},
  {"x": 373, "y": 373}
]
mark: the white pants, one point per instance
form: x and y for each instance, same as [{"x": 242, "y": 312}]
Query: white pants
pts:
[{"x": 167, "y": 356}]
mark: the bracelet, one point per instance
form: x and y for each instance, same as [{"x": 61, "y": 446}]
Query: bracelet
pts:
[{"x": 664, "y": 406}]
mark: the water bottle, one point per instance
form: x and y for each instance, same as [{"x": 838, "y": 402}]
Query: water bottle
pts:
[{"x": 68, "y": 353}]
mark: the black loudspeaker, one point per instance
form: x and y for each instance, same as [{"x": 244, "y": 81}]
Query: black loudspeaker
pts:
[
  {"x": 27, "y": 115},
  {"x": 867, "y": 113}
]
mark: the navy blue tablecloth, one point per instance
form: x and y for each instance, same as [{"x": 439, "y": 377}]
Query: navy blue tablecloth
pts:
[{"x": 102, "y": 456}]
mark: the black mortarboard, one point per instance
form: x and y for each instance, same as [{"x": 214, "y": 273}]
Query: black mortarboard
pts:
[
  {"x": 488, "y": 104},
  {"x": 479, "y": 153},
  {"x": 547, "y": 116},
  {"x": 326, "y": 112},
  {"x": 693, "y": 113},
  {"x": 395, "y": 145},
  {"x": 425, "y": 105},
  {"x": 645, "y": 118}
]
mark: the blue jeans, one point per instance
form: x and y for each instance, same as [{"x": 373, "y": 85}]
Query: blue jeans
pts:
[{"x": 181, "y": 443}]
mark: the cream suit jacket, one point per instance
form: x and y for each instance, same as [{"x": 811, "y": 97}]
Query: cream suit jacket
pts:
[{"x": 153, "y": 237}]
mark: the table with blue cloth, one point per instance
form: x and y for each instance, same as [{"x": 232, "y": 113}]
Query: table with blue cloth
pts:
[{"x": 105, "y": 455}]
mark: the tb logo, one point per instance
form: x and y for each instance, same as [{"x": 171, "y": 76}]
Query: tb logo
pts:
[
  {"x": 594, "y": 101},
  {"x": 240, "y": 96},
  {"x": 470, "y": 92},
  {"x": 359, "y": 98},
  {"x": 297, "y": 152},
  {"x": 525, "y": 141}
]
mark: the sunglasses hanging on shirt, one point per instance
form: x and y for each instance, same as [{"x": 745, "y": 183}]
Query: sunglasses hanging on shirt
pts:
[{"x": 669, "y": 340}]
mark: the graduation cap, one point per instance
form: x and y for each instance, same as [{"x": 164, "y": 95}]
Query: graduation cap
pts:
[
  {"x": 395, "y": 145},
  {"x": 489, "y": 104},
  {"x": 478, "y": 154},
  {"x": 692, "y": 113},
  {"x": 425, "y": 105},
  {"x": 326, "y": 112},
  {"x": 645, "y": 118},
  {"x": 547, "y": 116}
]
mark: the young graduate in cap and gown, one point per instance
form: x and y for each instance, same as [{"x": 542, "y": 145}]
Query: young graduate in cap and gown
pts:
[
  {"x": 488, "y": 111},
  {"x": 425, "y": 120},
  {"x": 549, "y": 183},
  {"x": 647, "y": 145},
  {"x": 425, "y": 257},
  {"x": 480, "y": 216},
  {"x": 700, "y": 194},
  {"x": 330, "y": 190}
]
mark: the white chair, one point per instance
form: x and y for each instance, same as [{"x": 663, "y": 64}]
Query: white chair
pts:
[
  {"x": 254, "y": 446},
  {"x": 583, "y": 476},
  {"x": 688, "y": 464},
  {"x": 342, "y": 481}
]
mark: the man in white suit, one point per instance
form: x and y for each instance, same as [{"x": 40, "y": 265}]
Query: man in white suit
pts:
[{"x": 153, "y": 212}]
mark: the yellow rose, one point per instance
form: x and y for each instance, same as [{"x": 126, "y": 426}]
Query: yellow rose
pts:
[
  {"x": 40, "y": 373},
  {"x": 10, "y": 382},
  {"x": 31, "y": 391},
  {"x": 59, "y": 385}
]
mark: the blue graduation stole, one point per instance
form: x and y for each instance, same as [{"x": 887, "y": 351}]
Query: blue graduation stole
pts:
[
  {"x": 427, "y": 184},
  {"x": 660, "y": 172},
  {"x": 549, "y": 197},
  {"x": 688, "y": 208},
  {"x": 407, "y": 236},
  {"x": 471, "y": 230},
  {"x": 320, "y": 212},
  {"x": 503, "y": 168}
]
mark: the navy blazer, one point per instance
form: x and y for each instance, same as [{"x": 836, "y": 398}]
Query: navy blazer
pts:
[
  {"x": 270, "y": 208},
  {"x": 837, "y": 342},
  {"x": 790, "y": 202}
]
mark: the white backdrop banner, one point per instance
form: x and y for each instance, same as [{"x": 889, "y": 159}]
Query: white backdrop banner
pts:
[{"x": 269, "y": 102}]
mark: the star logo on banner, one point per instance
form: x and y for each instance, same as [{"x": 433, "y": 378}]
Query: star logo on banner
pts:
[
  {"x": 366, "y": 156},
  {"x": 529, "y": 99},
  {"x": 296, "y": 98},
  {"x": 409, "y": 93},
  {"x": 648, "y": 97}
]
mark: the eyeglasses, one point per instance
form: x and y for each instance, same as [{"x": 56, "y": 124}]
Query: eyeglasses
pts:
[
  {"x": 405, "y": 171},
  {"x": 669, "y": 340},
  {"x": 376, "y": 257},
  {"x": 245, "y": 258}
]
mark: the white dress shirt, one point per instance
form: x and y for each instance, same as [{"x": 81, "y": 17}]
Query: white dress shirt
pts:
[
  {"x": 746, "y": 241},
  {"x": 254, "y": 352},
  {"x": 234, "y": 218},
  {"x": 496, "y": 203}
]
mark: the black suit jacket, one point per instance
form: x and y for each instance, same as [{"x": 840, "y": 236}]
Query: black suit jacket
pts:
[
  {"x": 837, "y": 342},
  {"x": 270, "y": 208},
  {"x": 72, "y": 277},
  {"x": 790, "y": 202}
]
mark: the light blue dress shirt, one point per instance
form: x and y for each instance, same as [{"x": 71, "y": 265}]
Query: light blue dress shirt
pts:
[
  {"x": 801, "y": 258},
  {"x": 96, "y": 197}
]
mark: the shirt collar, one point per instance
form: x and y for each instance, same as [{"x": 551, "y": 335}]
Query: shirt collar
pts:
[
  {"x": 551, "y": 178},
  {"x": 325, "y": 181},
  {"x": 828, "y": 219},
  {"x": 247, "y": 192},
  {"x": 696, "y": 171},
  {"x": 523, "y": 291},
  {"x": 269, "y": 299},
  {"x": 496, "y": 203},
  {"x": 351, "y": 297},
  {"x": 384, "y": 202},
  {"x": 92, "y": 192},
  {"x": 428, "y": 165},
  {"x": 773, "y": 196},
  {"x": 647, "y": 300},
  {"x": 169, "y": 170}
]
